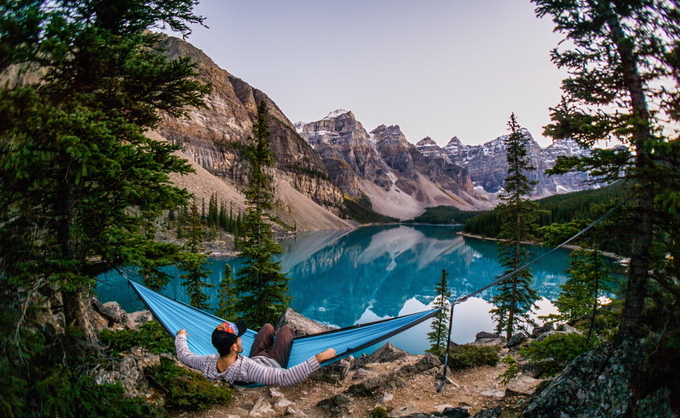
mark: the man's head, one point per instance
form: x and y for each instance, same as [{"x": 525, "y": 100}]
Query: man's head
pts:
[{"x": 226, "y": 335}]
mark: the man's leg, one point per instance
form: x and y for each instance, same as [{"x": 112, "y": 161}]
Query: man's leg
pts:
[
  {"x": 280, "y": 350},
  {"x": 263, "y": 340}
]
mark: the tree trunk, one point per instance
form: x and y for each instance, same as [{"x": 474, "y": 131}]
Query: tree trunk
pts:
[
  {"x": 79, "y": 313},
  {"x": 638, "y": 275}
]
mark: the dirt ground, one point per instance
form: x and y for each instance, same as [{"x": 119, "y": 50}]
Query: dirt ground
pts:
[{"x": 473, "y": 389}]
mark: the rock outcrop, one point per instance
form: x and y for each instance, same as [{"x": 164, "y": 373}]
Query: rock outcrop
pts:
[
  {"x": 488, "y": 167},
  {"x": 384, "y": 171},
  {"x": 213, "y": 138},
  {"x": 602, "y": 383}
]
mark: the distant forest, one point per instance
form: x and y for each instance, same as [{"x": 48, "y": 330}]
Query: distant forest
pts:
[{"x": 586, "y": 205}]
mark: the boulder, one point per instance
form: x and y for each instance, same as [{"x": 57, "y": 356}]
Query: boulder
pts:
[
  {"x": 516, "y": 340},
  {"x": 300, "y": 324},
  {"x": 385, "y": 354},
  {"x": 129, "y": 372},
  {"x": 488, "y": 339},
  {"x": 600, "y": 383},
  {"x": 455, "y": 413},
  {"x": 489, "y": 413},
  {"x": 336, "y": 405},
  {"x": 548, "y": 326}
]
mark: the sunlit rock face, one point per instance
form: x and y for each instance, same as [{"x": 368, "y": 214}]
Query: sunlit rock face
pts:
[
  {"x": 384, "y": 167},
  {"x": 214, "y": 136},
  {"x": 488, "y": 167}
]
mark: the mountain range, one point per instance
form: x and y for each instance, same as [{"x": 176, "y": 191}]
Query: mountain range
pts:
[{"x": 322, "y": 164}]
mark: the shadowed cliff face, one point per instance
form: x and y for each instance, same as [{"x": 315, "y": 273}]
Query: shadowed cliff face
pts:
[{"x": 214, "y": 136}]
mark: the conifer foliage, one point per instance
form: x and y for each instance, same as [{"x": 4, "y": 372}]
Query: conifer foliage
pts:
[
  {"x": 261, "y": 286},
  {"x": 80, "y": 183},
  {"x": 624, "y": 85},
  {"x": 515, "y": 298},
  {"x": 440, "y": 322},
  {"x": 192, "y": 262}
]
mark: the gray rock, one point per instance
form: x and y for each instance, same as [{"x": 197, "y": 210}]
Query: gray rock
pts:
[
  {"x": 455, "y": 413},
  {"x": 385, "y": 354},
  {"x": 488, "y": 339},
  {"x": 137, "y": 319},
  {"x": 300, "y": 324},
  {"x": 129, "y": 372},
  {"x": 548, "y": 326},
  {"x": 262, "y": 408},
  {"x": 489, "y": 413},
  {"x": 516, "y": 340},
  {"x": 336, "y": 405},
  {"x": 376, "y": 385},
  {"x": 426, "y": 362},
  {"x": 596, "y": 384}
]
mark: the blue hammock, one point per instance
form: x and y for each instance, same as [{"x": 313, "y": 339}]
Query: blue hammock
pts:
[{"x": 175, "y": 315}]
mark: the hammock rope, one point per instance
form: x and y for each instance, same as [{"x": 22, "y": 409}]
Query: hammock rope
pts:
[
  {"x": 519, "y": 269},
  {"x": 175, "y": 315}
]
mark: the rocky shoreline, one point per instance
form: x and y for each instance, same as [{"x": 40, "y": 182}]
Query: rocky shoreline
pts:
[
  {"x": 400, "y": 383},
  {"x": 615, "y": 256}
]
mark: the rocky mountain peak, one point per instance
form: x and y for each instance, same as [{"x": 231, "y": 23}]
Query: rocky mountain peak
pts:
[
  {"x": 392, "y": 134},
  {"x": 340, "y": 113},
  {"x": 430, "y": 149}
]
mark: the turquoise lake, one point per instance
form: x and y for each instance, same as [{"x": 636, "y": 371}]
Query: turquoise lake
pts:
[{"x": 347, "y": 277}]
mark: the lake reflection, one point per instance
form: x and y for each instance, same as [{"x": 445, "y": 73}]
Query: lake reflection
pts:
[{"x": 346, "y": 277}]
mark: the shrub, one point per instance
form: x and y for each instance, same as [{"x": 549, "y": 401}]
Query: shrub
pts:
[
  {"x": 511, "y": 372},
  {"x": 151, "y": 336},
  {"x": 379, "y": 412},
  {"x": 186, "y": 389},
  {"x": 557, "y": 350},
  {"x": 68, "y": 395},
  {"x": 468, "y": 356}
]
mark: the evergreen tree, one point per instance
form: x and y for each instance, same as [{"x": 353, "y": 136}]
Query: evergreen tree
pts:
[
  {"x": 440, "y": 322},
  {"x": 589, "y": 281},
  {"x": 80, "y": 183},
  {"x": 261, "y": 287},
  {"x": 515, "y": 298},
  {"x": 192, "y": 262},
  {"x": 624, "y": 85},
  {"x": 74, "y": 159},
  {"x": 226, "y": 296}
]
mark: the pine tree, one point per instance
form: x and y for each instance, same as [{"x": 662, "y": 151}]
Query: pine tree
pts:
[
  {"x": 440, "y": 322},
  {"x": 226, "y": 296},
  {"x": 74, "y": 159},
  {"x": 260, "y": 284},
  {"x": 624, "y": 85},
  {"x": 589, "y": 281},
  {"x": 80, "y": 183},
  {"x": 515, "y": 298},
  {"x": 192, "y": 262}
]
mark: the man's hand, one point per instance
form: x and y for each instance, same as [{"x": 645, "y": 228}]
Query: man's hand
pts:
[
  {"x": 325, "y": 355},
  {"x": 182, "y": 331}
]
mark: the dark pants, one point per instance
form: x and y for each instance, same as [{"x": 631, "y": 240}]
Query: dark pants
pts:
[{"x": 277, "y": 349}]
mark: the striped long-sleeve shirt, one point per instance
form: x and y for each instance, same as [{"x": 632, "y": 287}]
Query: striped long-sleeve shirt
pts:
[{"x": 258, "y": 369}]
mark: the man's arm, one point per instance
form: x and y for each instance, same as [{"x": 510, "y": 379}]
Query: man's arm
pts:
[
  {"x": 184, "y": 354},
  {"x": 259, "y": 373}
]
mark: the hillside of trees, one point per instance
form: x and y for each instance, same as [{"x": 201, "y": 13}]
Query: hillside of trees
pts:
[{"x": 586, "y": 205}]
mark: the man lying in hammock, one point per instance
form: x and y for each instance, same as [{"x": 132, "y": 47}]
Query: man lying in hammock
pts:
[{"x": 267, "y": 361}]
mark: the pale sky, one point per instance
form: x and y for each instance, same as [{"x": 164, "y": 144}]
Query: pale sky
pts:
[{"x": 437, "y": 68}]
